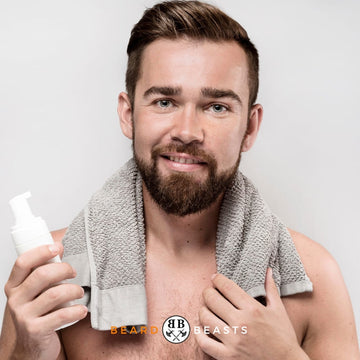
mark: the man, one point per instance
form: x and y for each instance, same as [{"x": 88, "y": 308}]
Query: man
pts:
[{"x": 190, "y": 111}]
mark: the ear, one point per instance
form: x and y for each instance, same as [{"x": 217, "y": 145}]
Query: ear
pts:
[
  {"x": 255, "y": 118},
  {"x": 125, "y": 114}
]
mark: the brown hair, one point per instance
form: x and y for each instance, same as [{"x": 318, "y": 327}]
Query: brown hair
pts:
[{"x": 190, "y": 19}]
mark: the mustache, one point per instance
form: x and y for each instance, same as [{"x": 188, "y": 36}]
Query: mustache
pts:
[{"x": 190, "y": 149}]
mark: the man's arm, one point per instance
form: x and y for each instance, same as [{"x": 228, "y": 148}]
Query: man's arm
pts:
[
  {"x": 8, "y": 334},
  {"x": 331, "y": 332}
]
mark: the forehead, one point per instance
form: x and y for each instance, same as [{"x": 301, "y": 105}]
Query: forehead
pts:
[{"x": 194, "y": 64}]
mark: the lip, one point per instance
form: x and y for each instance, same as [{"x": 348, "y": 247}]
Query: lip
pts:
[
  {"x": 184, "y": 156},
  {"x": 181, "y": 167}
]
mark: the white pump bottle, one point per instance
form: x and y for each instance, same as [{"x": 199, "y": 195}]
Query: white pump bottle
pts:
[{"x": 30, "y": 231}]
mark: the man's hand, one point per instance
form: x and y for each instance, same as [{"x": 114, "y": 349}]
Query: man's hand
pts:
[
  {"x": 270, "y": 334},
  {"x": 34, "y": 294}
]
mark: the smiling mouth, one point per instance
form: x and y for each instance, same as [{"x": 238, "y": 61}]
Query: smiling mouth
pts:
[{"x": 183, "y": 160}]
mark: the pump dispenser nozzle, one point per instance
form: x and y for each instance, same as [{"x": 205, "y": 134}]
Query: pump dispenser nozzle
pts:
[
  {"x": 21, "y": 209},
  {"x": 29, "y": 230}
]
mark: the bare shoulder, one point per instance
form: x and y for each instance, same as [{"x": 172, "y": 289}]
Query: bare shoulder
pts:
[
  {"x": 320, "y": 266},
  {"x": 331, "y": 332},
  {"x": 317, "y": 260},
  {"x": 58, "y": 235}
]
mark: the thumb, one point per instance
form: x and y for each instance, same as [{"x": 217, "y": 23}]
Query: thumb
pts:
[{"x": 272, "y": 293}]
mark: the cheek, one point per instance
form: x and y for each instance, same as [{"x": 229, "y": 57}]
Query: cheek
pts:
[
  {"x": 226, "y": 146},
  {"x": 142, "y": 141},
  {"x": 148, "y": 133}
]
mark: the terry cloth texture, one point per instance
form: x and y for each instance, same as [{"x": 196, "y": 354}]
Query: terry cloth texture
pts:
[{"x": 105, "y": 243}]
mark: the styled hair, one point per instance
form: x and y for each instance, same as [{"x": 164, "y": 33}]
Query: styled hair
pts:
[{"x": 193, "y": 20}]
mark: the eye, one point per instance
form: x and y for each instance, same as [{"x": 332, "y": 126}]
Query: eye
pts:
[
  {"x": 218, "y": 108},
  {"x": 164, "y": 103}
]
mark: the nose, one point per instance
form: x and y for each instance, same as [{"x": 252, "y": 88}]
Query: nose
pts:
[{"x": 187, "y": 127}]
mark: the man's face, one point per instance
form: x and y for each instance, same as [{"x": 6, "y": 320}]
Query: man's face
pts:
[{"x": 189, "y": 120}]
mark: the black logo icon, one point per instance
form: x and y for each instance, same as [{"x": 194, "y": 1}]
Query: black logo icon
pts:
[{"x": 176, "y": 329}]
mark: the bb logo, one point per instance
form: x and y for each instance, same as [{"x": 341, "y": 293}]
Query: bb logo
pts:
[{"x": 176, "y": 329}]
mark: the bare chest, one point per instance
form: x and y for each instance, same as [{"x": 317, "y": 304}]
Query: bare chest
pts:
[{"x": 171, "y": 290}]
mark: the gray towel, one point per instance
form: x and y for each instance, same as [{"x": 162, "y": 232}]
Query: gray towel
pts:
[{"x": 105, "y": 243}]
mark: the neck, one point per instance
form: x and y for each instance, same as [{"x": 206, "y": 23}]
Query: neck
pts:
[{"x": 180, "y": 235}]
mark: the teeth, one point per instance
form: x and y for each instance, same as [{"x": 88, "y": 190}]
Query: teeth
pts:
[{"x": 182, "y": 160}]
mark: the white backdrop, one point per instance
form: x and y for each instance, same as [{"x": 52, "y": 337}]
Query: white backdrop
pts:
[{"x": 62, "y": 66}]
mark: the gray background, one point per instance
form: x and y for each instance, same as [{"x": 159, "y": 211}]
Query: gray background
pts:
[{"x": 62, "y": 66}]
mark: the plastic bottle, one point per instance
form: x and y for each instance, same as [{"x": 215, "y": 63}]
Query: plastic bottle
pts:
[{"x": 30, "y": 231}]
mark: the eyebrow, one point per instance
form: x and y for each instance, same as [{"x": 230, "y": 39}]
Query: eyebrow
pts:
[
  {"x": 205, "y": 92},
  {"x": 162, "y": 90},
  {"x": 220, "y": 93}
]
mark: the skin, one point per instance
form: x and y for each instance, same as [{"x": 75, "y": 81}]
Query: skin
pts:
[
  {"x": 28, "y": 331},
  {"x": 180, "y": 251}
]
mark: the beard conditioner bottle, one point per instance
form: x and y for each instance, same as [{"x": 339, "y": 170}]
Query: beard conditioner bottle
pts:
[{"x": 30, "y": 231}]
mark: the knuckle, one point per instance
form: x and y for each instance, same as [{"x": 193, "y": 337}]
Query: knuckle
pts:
[
  {"x": 255, "y": 311},
  {"x": 53, "y": 294},
  {"x": 63, "y": 314},
  {"x": 21, "y": 263},
  {"x": 32, "y": 328},
  {"x": 226, "y": 288},
  {"x": 209, "y": 294},
  {"x": 41, "y": 272},
  {"x": 8, "y": 289},
  {"x": 74, "y": 291}
]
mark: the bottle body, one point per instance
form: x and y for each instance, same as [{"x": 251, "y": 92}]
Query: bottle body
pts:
[
  {"x": 30, "y": 232},
  {"x": 33, "y": 240}
]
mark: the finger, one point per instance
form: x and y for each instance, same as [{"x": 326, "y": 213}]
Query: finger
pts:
[
  {"x": 234, "y": 293},
  {"x": 42, "y": 278},
  {"x": 58, "y": 318},
  {"x": 29, "y": 260},
  {"x": 54, "y": 297},
  {"x": 220, "y": 306},
  {"x": 272, "y": 293},
  {"x": 215, "y": 325},
  {"x": 58, "y": 236},
  {"x": 212, "y": 347},
  {"x": 61, "y": 252}
]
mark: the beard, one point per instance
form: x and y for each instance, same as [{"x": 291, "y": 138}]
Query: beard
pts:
[{"x": 181, "y": 193}]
